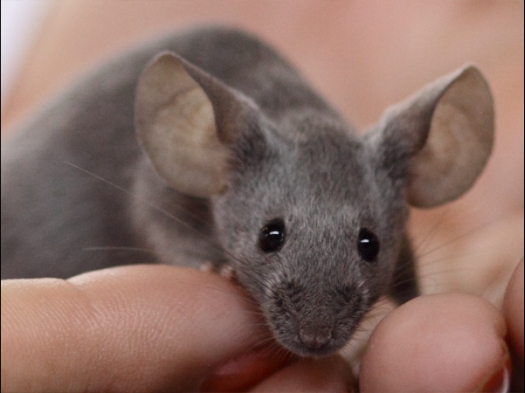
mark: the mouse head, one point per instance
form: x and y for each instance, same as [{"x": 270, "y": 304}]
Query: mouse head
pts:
[{"x": 311, "y": 216}]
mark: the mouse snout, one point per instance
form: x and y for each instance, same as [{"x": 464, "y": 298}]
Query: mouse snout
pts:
[
  {"x": 315, "y": 337},
  {"x": 313, "y": 321}
]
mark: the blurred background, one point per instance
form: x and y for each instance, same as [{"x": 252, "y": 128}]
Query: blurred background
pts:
[
  {"x": 21, "y": 21},
  {"x": 361, "y": 55}
]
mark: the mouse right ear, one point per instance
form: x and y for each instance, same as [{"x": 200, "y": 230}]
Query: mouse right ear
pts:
[
  {"x": 186, "y": 121},
  {"x": 440, "y": 138}
]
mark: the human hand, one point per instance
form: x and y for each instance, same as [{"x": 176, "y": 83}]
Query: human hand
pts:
[
  {"x": 142, "y": 328},
  {"x": 447, "y": 343},
  {"x": 151, "y": 328}
]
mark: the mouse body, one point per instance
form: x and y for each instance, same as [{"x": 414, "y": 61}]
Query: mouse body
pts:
[{"x": 208, "y": 147}]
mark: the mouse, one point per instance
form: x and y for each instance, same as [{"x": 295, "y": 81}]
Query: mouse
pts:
[{"x": 206, "y": 147}]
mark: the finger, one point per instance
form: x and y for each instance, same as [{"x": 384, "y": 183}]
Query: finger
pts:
[
  {"x": 310, "y": 375},
  {"x": 242, "y": 373},
  {"x": 140, "y": 328},
  {"x": 513, "y": 311},
  {"x": 439, "y": 343}
]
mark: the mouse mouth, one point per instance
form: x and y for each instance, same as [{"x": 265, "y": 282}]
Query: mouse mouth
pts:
[
  {"x": 313, "y": 339},
  {"x": 315, "y": 351},
  {"x": 314, "y": 342}
]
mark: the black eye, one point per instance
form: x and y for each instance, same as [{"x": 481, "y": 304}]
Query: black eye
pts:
[
  {"x": 367, "y": 245},
  {"x": 271, "y": 237}
]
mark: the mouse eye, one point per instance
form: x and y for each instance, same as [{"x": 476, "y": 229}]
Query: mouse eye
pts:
[
  {"x": 271, "y": 237},
  {"x": 367, "y": 245}
]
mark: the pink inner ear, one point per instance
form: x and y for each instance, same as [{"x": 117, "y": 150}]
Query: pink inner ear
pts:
[
  {"x": 176, "y": 125},
  {"x": 459, "y": 143}
]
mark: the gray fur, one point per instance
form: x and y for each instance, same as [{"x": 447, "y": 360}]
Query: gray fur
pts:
[{"x": 79, "y": 193}]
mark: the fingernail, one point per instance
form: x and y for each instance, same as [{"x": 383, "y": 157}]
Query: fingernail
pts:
[
  {"x": 245, "y": 371},
  {"x": 499, "y": 382}
]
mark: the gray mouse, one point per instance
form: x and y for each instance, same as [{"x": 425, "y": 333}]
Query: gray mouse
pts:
[{"x": 208, "y": 147}]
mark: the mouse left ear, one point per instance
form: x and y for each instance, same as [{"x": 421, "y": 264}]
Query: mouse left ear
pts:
[
  {"x": 441, "y": 137},
  {"x": 187, "y": 122}
]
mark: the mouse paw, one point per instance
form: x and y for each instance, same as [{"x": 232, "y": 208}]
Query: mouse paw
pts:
[
  {"x": 223, "y": 270},
  {"x": 207, "y": 267},
  {"x": 227, "y": 272}
]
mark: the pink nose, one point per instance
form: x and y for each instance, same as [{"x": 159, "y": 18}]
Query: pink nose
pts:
[{"x": 315, "y": 338}]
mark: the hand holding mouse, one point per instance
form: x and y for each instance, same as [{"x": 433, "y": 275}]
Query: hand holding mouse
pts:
[{"x": 121, "y": 329}]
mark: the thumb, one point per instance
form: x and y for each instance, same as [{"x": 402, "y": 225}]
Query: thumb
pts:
[{"x": 133, "y": 328}]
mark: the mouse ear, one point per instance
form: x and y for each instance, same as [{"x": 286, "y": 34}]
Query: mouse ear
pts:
[
  {"x": 185, "y": 120},
  {"x": 442, "y": 137}
]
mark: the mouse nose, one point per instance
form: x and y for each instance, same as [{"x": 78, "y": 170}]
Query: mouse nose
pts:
[{"x": 315, "y": 338}]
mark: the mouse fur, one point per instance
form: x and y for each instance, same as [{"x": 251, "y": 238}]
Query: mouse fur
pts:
[{"x": 181, "y": 151}]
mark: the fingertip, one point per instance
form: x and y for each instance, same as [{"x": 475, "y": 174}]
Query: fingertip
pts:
[
  {"x": 513, "y": 309},
  {"x": 311, "y": 375},
  {"x": 197, "y": 320},
  {"x": 245, "y": 371},
  {"x": 435, "y": 343}
]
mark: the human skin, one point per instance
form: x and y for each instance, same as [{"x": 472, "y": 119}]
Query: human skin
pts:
[{"x": 161, "y": 328}]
